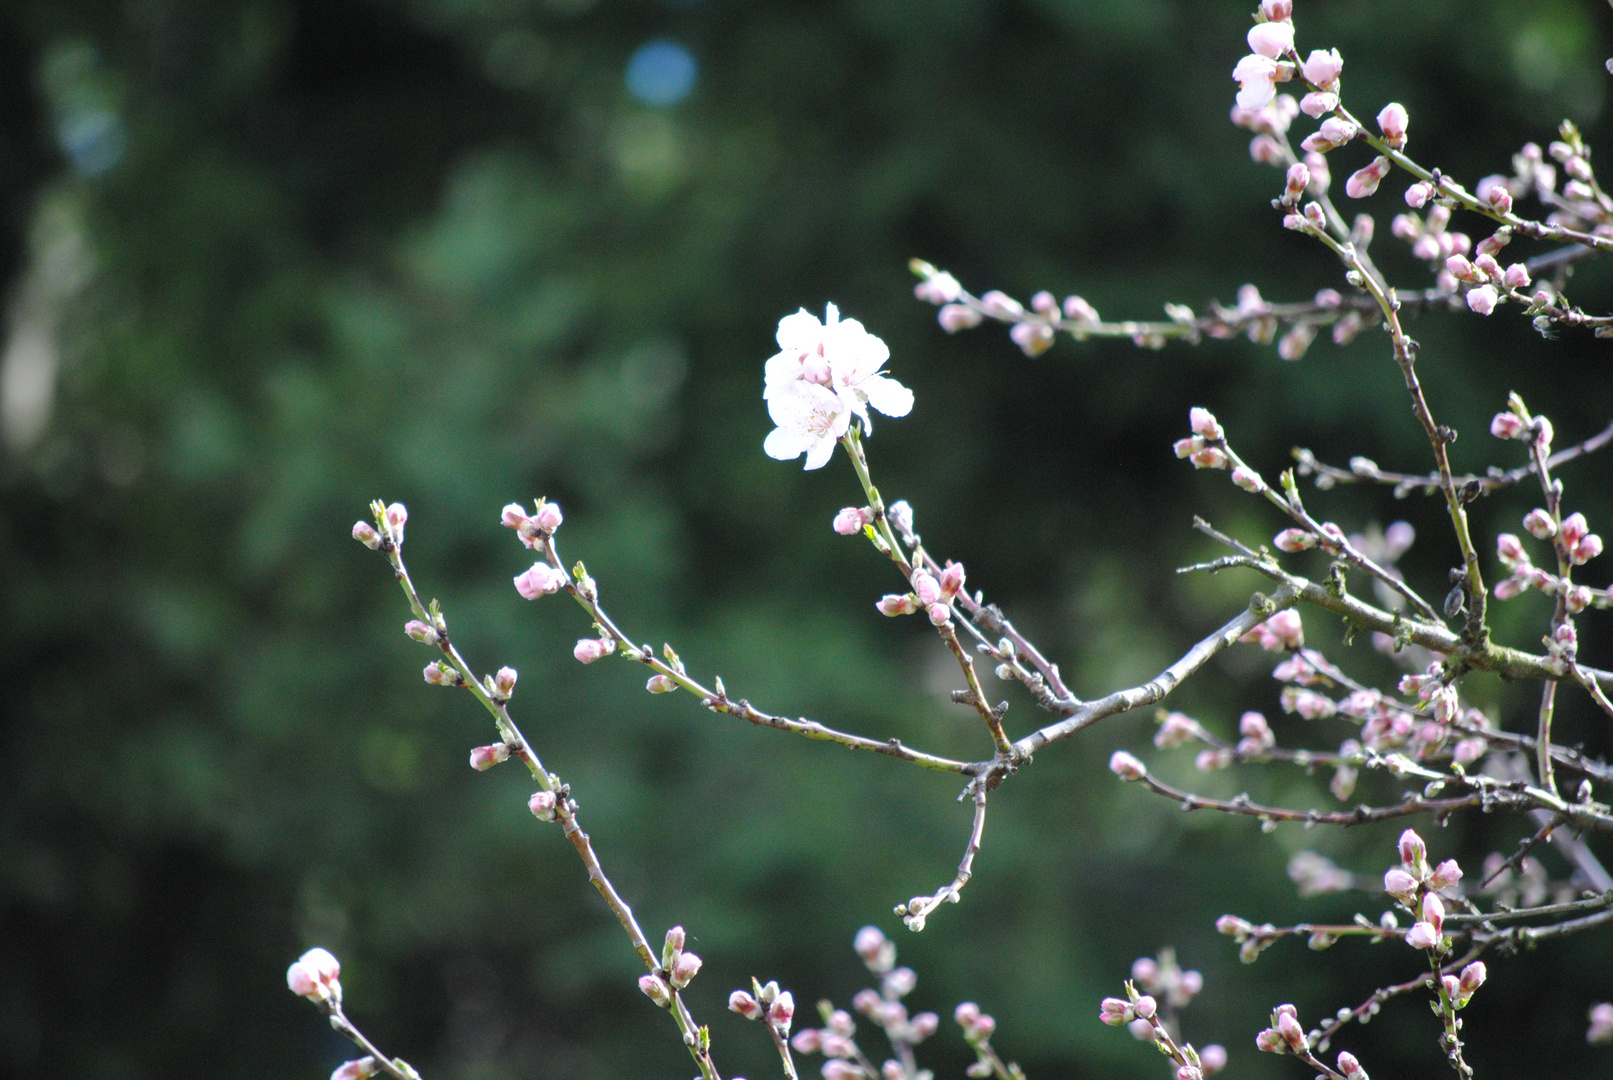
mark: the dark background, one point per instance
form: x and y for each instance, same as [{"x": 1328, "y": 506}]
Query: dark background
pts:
[{"x": 288, "y": 257}]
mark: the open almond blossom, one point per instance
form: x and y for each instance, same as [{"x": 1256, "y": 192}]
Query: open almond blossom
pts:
[{"x": 824, "y": 374}]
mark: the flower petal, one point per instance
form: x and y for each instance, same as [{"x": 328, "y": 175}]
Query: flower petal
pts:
[{"x": 887, "y": 395}]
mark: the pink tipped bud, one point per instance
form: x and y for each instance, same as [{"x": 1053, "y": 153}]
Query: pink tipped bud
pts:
[
  {"x": 782, "y": 1011},
  {"x": 1364, "y": 181},
  {"x": 867, "y": 1001},
  {"x": 955, "y": 317},
  {"x": 1445, "y": 875},
  {"x": 1577, "y": 599},
  {"x": 1248, "y": 479},
  {"x": 841, "y": 1023},
  {"x": 1516, "y": 276},
  {"x": 421, "y": 631},
  {"x": 1482, "y": 300},
  {"x": 1392, "y": 122},
  {"x": 1000, "y": 305},
  {"x": 365, "y": 534},
  {"x": 1293, "y": 1033},
  {"x": 1204, "y": 424},
  {"x": 893, "y": 604},
  {"x": 806, "y": 1041},
  {"x": 1295, "y": 540},
  {"x": 483, "y": 758},
  {"x": 1146, "y": 1007},
  {"x": 396, "y": 516},
  {"x": 1271, "y": 39},
  {"x": 1601, "y": 1029},
  {"x": 1350, "y": 1067},
  {"x": 1485, "y": 266},
  {"x": 1271, "y": 1041},
  {"x": 925, "y": 587},
  {"x": 1321, "y": 69},
  {"x": 504, "y": 681},
  {"x": 967, "y": 1014},
  {"x": 1400, "y": 885},
  {"x": 1473, "y": 977},
  {"x": 1413, "y": 852},
  {"x": 1033, "y": 338},
  {"x": 747, "y": 1006},
  {"x": 1213, "y": 1058},
  {"x": 1422, "y": 935},
  {"x": 548, "y": 517},
  {"x": 850, "y": 521},
  {"x": 1126, "y": 766},
  {"x": 1418, "y": 194},
  {"x": 1433, "y": 911},
  {"x": 655, "y": 989},
  {"x": 1500, "y": 199},
  {"x": 684, "y": 969},
  {"x": 1575, "y": 529},
  {"x": 588, "y": 650},
  {"x": 440, "y": 674},
  {"x": 1510, "y": 548},
  {"x": 1184, "y": 448},
  {"x": 542, "y": 805},
  {"x": 1210, "y": 457},
  {"x": 1277, "y": 10},
  {"x": 940, "y": 288},
  {"x": 1078, "y": 310},
  {"x": 316, "y": 976},
  {"x": 940, "y": 614},
  {"x": 513, "y": 516},
  {"x": 985, "y": 1025},
  {"x": 1539, "y": 524},
  {"x": 357, "y": 1069},
  {"x": 1460, "y": 268},
  {"x": 870, "y": 941},
  {"x": 837, "y": 1069},
  {"x": 661, "y": 684},
  {"x": 1506, "y": 425},
  {"x": 1586, "y": 550},
  {"x": 951, "y": 580},
  {"x": 1507, "y": 588},
  {"x": 1318, "y": 103},
  {"x": 540, "y": 579}
]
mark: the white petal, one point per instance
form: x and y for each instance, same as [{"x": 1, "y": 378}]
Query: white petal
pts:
[
  {"x": 887, "y": 395},
  {"x": 783, "y": 444},
  {"x": 800, "y": 332},
  {"x": 819, "y": 453}
]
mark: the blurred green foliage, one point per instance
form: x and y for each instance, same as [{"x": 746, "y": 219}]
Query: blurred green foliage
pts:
[{"x": 279, "y": 258}]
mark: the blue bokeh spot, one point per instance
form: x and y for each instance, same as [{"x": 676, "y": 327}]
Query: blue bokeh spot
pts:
[{"x": 661, "y": 74}]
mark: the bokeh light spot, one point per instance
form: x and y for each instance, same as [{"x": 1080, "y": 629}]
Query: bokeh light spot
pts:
[{"x": 661, "y": 74}]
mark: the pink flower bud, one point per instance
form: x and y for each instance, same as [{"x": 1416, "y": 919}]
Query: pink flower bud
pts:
[
  {"x": 941, "y": 288},
  {"x": 1510, "y": 548},
  {"x": 841, "y": 1023},
  {"x": 1318, "y": 104},
  {"x": 1586, "y": 550},
  {"x": 1486, "y": 267},
  {"x": 1500, "y": 199},
  {"x": 940, "y": 614},
  {"x": 1209, "y": 458},
  {"x": 1078, "y": 310},
  {"x": 1271, "y": 39},
  {"x": 782, "y": 1011},
  {"x": 1350, "y": 1067},
  {"x": 1445, "y": 875},
  {"x": 1000, "y": 305},
  {"x": 1433, "y": 911},
  {"x": 316, "y": 976},
  {"x": 1213, "y": 1058},
  {"x": 1321, "y": 69},
  {"x": 1295, "y": 540},
  {"x": 869, "y": 942},
  {"x": 396, "y": 516},
  {"x": 1578, "y": 599},
  {"x": 1507, "y": 588},
  {"x": 806, "y": 1041},
  {"x": 588, "y": 650},
  {"x": 1184, "y": 448},
  {"x": 1033, "y": 338},
  {"x": 1277, "y": 10},
  {"x": 440, "y": 674},
  {"x": 1146, "y": 1007},
  {"x": 1293, "y": 1033},
  {"x": 1234, "y": 927},
  {"x": 548, "y": 517},
  {"x": 684, "y": 969},
  {"x": 1422, "y": 936},
  {"x": 923, "y": 1026},
  {"x": 357, "y": 1069},
  {"x": 1418, "y": 194},
  {"x": 504, "y": 681},
  {"x": 1507, "y": 426},
  {"x": 1298, "y": 179},
  {"x": 747, "y": 1006},
  {"x": 1045, "y": 303},
  {"x": 893, "y": 604},
  {"x": 1364, "y": 181},
  {"x": 985, "y": 1025},
  {"x": 955, "y": 317},
  {"x": 542, "y": 805},
  {"x": 1516, "y": 276},
  {"x": 966, "y": 1015},
  {"x": 1392, "y": 122},
  {"x": 365, "y": 534},
  {"x": 421, "y": 631},
  {"x": 1575, "y": 529},
  {"x": 1204, "y": 424},
  {"x": 925, "y": 587},
  {"x": 1482, "y": 300},
  {"x": 951, "y": 579},
  {"x": 1248, "y": 479},
  {"x": 1271, "y": 1042},
  {"x": 1473, "y": 977},
  {"x": 655, "y": 989},
  {"x": 1413, "y": 852},
  {"x": 1400, "y": 885},
  {"x": 661, "y": 684},
  {"x": 540, "y": 579},
  {"x": 513, "y": 516},
  {"x": 837, "y": 1069},
  {"x": 483, "y": 758},
  {"x": 1126, "y": 766},
  {"x": 1173, "y": 731},
  {"x": 850, "y": 521},
  {"x": 1539, "y": 524}
]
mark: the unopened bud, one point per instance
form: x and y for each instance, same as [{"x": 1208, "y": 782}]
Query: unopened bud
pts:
[
  {"x": 1127, "y": 766},
  {"x": 542, "y": 805},
  {"x": 483, "y": 758},
  {"x": 655, "y": 989},
  {"x": 365, "y": 534},
  {"x": 684, "y": 969},
  {"x": 747, "y": 1006}
]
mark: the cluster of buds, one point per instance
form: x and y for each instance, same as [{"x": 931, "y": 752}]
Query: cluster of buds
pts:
[
  {"x": 767, "y": 1001},
  {"x": 934, "y": 595},
  {"x": 1330, "y": 539},
  {"x": 1256, "y": 739},
  {"x": 834, "y": 1041},
  {"x": 1308, "y": 704},
  {"x": 1252, "y": 940},
  {"x": 483, "y": 758},
  {"x": 1287, "y": 1035},
  {"x": 977, "y": 1031},
  {"x": 883, "y": 1007},
  {"x": 423, "y": 632},
  {"x": 1428, "y": 236},
  {"x": 678, "y": 969},
  {"x": 1524, "y": 575},
  {"x": 1416, "y": 886},
  {"x": 1490, "y": 284},
  {"x": 1127, "y": 766},
  {"x": 1270, "y": 39},
  {"x": 1164, "y": 978},
  {"x": 391, "y": 519},
  {"x": 850, "y": 521},
  {"x": 1283, "y": 632},
  {"x": 532, "y": 529},
  {"x": 316, "y": 975},
  {"x": 1177, "y": 728},
  {"x": 1575, "y": 158},
  {"x": 1433, "y": 689},
  {"x": 438, "y": 673},
  {"x": 1140, "y": 1012},
  {"x": 1459, "y": 989},
  {"x": 1206, "y": 447}
]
